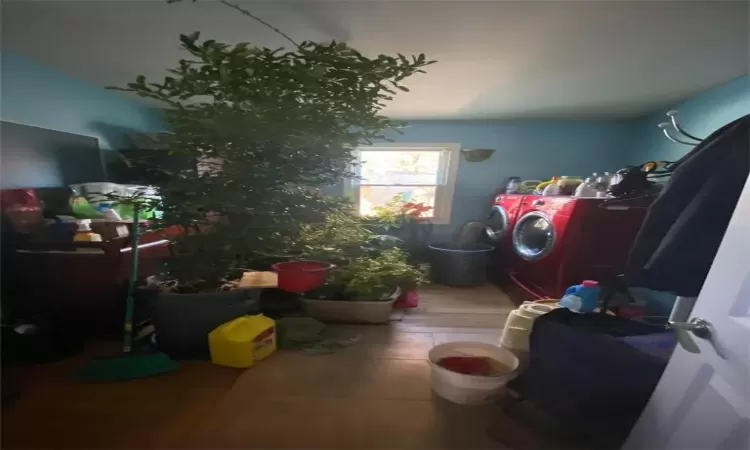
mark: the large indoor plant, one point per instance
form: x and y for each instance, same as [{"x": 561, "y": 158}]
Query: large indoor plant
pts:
[
  {"x": 269, "y": 127},
  {"x": 262, "y": 129}
]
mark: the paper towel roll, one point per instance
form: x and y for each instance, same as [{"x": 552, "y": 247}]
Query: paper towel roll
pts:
[{"x": 515, "y": 338}]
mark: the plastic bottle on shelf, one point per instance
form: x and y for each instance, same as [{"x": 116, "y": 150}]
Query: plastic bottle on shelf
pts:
[
  {"x": 514, "y": 184},
  {"x": 541, "y": 186},
  {"x": 85, "y": 234},
  {"x": 567, "y": 184},
  {"x": 586, "y": 189},
  {"x": 603, "y": 181},
  {"x": 551, "y": 189}
]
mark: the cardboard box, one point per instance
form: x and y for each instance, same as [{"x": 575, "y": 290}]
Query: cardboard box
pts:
[{"x": 251, "y": 280}]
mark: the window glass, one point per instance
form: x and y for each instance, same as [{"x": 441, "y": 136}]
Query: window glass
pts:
[
  {"x": 400, "y": 167},
  {"x": 373, "y": 196}
]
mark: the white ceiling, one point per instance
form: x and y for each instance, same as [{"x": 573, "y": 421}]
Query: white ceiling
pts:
[{"x": 497, "y": 59}]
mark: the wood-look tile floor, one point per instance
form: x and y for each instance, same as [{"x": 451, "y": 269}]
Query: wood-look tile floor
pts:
[
  {"x": 374, "y": 394},
  {"x": 53, "y": 412}
]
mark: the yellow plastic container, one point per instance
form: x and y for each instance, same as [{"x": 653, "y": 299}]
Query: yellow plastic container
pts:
[{"x": 243, "y": 341}]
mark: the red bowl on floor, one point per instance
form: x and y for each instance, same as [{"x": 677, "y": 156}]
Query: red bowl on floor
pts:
[{"x": 302, "y": 276}]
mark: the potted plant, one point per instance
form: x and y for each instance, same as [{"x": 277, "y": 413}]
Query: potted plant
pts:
[
  {"x": 405, "y": 220},
  {"x": 183, "y": 314},
  {"x": 365, "y": 290},
  {"x": 265, "y": 129}
]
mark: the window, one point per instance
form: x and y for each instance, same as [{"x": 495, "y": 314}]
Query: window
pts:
[{"x": 423, "y": 173}]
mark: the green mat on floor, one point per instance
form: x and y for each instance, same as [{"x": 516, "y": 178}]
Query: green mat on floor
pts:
[{"x": 309, "y": 335}]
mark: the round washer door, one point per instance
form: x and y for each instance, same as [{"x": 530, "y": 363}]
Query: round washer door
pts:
[
  {"x": 533, "y": 236},
  {"x": 497, "y": 223}
]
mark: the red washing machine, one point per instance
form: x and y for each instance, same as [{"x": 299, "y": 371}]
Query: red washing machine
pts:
[
  {"x": 561, "y": 241},
  {"x": 499, "y": 229},
  {"x": 502, "y": 219}
]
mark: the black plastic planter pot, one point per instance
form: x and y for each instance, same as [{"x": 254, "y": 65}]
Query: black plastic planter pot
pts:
[
  {"x": 182, "y": 321},
  {"x": 466, "y": 266}
]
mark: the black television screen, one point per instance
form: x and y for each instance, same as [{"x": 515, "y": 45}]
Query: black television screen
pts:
[{"x": 33, "y": 157}]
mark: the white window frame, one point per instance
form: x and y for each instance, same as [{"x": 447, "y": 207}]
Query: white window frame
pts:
[{"x": 443, "y": 193}]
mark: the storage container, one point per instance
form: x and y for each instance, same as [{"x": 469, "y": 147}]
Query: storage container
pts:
[
  {"x": 351, "y": 311},
  {"x": 243, "y": 341},
  {"x": 453, "y": 266},
  {"x": 470, "y": 389},
  {"x": 301, "y": 276},
  {"x": 518, "y": 326},
  {"x": 182, "y": 322}
]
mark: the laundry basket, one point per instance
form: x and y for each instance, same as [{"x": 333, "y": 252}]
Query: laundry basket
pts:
[
  {"x": 470, "y": 389},
  {"x": 459, "y": 266}
]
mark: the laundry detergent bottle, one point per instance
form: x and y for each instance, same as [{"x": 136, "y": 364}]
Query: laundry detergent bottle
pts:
[{"x": 582, "y": 298}]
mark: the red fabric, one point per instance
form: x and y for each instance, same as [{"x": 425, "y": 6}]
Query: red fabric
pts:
[
  {"x": 14, "y": 199},
  {"x": 467, "y": 365}
]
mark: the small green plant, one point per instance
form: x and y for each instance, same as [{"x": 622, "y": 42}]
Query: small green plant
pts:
[{"x": 375, "y": 278}]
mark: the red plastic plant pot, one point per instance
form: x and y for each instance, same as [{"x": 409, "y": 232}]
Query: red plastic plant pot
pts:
[
  {"x": 407, "y": 299},
  {"x": 301, "y": 276}
]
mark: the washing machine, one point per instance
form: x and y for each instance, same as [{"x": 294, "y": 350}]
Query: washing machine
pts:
[
  {"x": 560, "y": 241},
  {"x": 502, "y": 218},
  {"x": 498, "y": 232}
]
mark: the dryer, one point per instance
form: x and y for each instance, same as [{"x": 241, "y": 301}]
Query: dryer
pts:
[
  {"x": 502, "y": 218},
  {"x": 561, "y": 241},
  {"x": 498, "y": 230}
]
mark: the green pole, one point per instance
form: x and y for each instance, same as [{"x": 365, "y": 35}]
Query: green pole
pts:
[{"x": 130, "y": 302}]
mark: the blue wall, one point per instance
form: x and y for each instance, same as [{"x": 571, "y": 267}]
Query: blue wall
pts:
[
  {"x": 529, "y": 149},
  {"x": 37, "y": 95},
  {"x": 700, "y": 115},
  {"x": 34, "y": 94}
]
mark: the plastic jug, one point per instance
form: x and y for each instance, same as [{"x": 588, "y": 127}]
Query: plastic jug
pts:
[
  {"x": 568, "y": 184},
  {"x": 243, "y": 341},
  {"x": 514, "y": 184},
  {"x": 582, "y": 298},
  {"x": 586, "y": 189},
  {"x": 551, "y": 189}
]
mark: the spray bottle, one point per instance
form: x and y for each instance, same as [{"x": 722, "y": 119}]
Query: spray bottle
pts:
[{"x": 84, "y": 233}]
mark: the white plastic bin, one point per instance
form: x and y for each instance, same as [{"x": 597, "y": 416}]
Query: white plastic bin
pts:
[
  {"x": 520, "y": 321},
  {"x": 470, "y": 389},
  {"x": 351, "y": 311}
]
